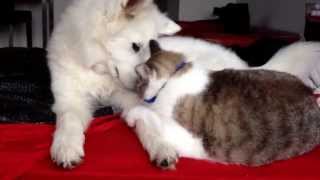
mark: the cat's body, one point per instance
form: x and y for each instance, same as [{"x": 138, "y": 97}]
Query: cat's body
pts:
[{"x": 249, "y": 117}]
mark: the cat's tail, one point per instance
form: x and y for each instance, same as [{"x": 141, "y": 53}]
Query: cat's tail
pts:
[{"x": 301, "y": 59}]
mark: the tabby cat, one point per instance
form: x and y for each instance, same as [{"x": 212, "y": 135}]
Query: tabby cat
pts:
[{"x": 246, "y": 117}]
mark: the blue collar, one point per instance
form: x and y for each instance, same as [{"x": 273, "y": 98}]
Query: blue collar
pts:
[{"x": 154, "y": 98}]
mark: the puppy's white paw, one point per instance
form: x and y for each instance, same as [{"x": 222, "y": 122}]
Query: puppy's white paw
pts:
[
  {"x": 164, "y": 156},
  {"x": 67, "y": 149},
  {"x": 133, "y": 115}
]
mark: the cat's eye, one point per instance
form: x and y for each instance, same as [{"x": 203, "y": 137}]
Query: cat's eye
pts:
[{"x": 136, "y": 47}]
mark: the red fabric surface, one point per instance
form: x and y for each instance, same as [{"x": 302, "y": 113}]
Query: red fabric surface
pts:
[
  {"x": 113, "y": 152},
  {"x": 213, "y": 31},
  {"x": 313, "y": 18}
]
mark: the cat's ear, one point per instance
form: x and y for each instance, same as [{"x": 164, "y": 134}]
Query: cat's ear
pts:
[
  {"x": 131, "y": 7},
  {"x": 154, "y": 46},
  {"x": 143, "y": 70}
]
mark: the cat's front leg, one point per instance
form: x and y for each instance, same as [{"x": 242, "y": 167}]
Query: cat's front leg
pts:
[{"x": 149, "y": 128}]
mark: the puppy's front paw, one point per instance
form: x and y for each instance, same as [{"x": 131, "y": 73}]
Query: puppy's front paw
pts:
[
  {"x": 165, "y": 157},
  {"x": 67, "y": 149}
]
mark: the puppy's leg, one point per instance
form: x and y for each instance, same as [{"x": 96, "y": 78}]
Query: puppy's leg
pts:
[
  {"x": 73, "y": 117},
  {"x": 149, "y": 128}
]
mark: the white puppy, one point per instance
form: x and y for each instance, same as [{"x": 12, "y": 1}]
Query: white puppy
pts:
[
  {"x": 92, "y": 55},
  {"x": 301, "y": 59}
]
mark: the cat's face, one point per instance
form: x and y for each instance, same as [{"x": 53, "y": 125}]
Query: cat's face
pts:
[
  {"x": 154, "y": 74},
  {"x": 149, "y": 82}
]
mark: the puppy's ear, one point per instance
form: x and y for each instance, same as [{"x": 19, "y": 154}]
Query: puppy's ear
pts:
[
  {"x": 131, "y": 7},
  {"x": 143, "y": 71},
  {"x": 168, "y": 26},
  {"x": 154, "y": 46}
]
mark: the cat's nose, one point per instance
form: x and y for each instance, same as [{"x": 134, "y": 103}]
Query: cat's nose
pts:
[
  {"x": 152, "y": 42},
  {"x": 154, "y": 46}
]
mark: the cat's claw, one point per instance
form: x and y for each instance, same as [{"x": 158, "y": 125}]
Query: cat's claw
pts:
[
  {"x": 168, "y": 163},
  {"x": 166, "y": 159}
]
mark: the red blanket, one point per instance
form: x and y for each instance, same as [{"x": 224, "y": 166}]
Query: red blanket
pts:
[{"x": 113, "y": 152}]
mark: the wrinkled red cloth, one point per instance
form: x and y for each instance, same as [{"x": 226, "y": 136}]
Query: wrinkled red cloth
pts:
[{"x": 114, "y": 152}]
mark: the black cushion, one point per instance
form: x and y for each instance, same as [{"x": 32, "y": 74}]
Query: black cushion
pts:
[{"x": 25, "y": 93}]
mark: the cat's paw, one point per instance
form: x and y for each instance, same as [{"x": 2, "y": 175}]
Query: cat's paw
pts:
[
  {"x": 134, "y": 114},
  {"x": 67, "y": 149},
  {"x": 165, "y": 157}
]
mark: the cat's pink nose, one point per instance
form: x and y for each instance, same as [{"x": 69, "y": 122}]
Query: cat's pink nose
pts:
[{"x": 316, "y": 94}]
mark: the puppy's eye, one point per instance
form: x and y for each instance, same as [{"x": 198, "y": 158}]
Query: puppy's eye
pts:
[{"x": 136, "y": 47}]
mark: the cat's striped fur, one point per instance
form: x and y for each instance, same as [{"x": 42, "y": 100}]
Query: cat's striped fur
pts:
[{"x": 249, "y": 117}]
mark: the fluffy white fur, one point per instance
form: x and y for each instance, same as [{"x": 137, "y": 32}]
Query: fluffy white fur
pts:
[
  {"x": 92, "y": 61},
  {"x": 211, "y": 56},
  {"x": 301, "y": 59}
]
